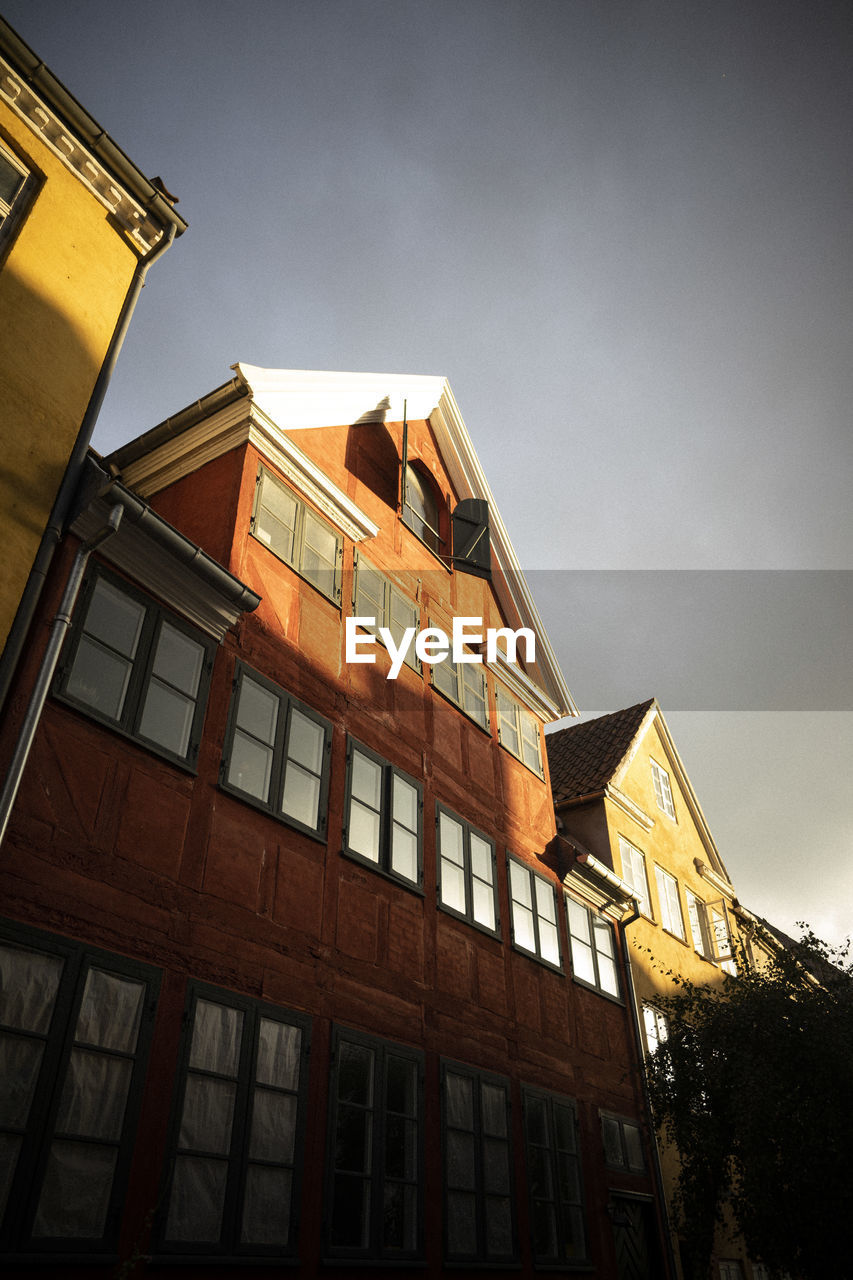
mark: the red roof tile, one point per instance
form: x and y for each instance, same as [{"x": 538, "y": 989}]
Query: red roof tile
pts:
[{"x": 583, "y": 758}]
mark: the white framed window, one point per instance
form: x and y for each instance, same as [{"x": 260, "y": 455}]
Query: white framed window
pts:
[
  {"x": 718, "y": 926},
  {"x": 421, "y": 510},
  {"x": 297, "y": 535},
  {"x": 656, "y": 1027},
  {"x": 534, "y": 913},
  {"x": 384, "y": 815},
  {"x": 17, "y": 185},
  {"x": 375, "y": 596},
  {"x": 518, "y": 732},
  {"x": 465, "y": 684},
  {"x": 276, "y": 753},
  {"x": 593, "y": 951},
  {"x": 467, "y": 884},
  {"x": 670, "y": 903},
  {"x": 634, "y": 871},
  {"x": 663, "y": 791},
  {"x": 698, "y": 924}
]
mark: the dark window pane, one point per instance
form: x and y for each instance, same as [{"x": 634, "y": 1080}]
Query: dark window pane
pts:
[
  {"x": 197, "y": 1199},
  {"x": 266, "y": 1205},
  {"x": 75, "y": 1193},
  {"x": 498, "y": 1227},
  {"x": 355, "y": 1074},
  {"x": 110, "y": 1012},
  {"x": 94, "y": 1095},
  {"x": 350, "y": 1212},
  {"x": 217, "y": 1031},
  {"x": 28, "y": 986},
  {"x": 461, "y": 1224},
  {"x": 494, "y": 1110},
  {"x": 459, "y": 1101},
  {"x": 279, "y": 1047},
  {"x": 353, "y": 1145},
  {"x": 273, "y": 1126},
  {"x": 399, "y": 1218},
  {"x": 20, "y": 1060},
  {"x": 207, "y": 1115}
]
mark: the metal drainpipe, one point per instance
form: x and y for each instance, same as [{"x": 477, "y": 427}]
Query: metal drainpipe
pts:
[
  {"x": 68, "y": 486},
  {"x": 638, "y": 1042},
  {"x": 49, "y": 660}
]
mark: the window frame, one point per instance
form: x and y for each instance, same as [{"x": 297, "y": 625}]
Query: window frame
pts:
[
  {"x": 561, "y": 1207},
  {"x": 376, "y": 1175},
  {"x": 141, "y": 666},
  {"x": 13, "y": 213},
  {"x": 659, "y": 1030},
  {"x": 468, "y": 676},
  {"x": 669, "y": 899},
  {"x": 623, "y": 1122},
  {"x": 415, "y": 470},
  {"x": 383, "y": 864},
  {"x": 468, "y": 830},
  {"x": 304, "y": 512},
  {"x": 237, "y": 1157},
  {"x": 521, "y": 718},
  {"x": 287, "y": 704},
  {"x": 391, "y": 593},
  {"x": 590, "y": 942},
  {"x": 663, "y": 790},
  {"x": 701, "y": 945},
  {"x": 39, "y": 1129},
  {"x": 480, "y": 1192},
  {"x": 644, "y": 899},
  {"x": 533, "y": 877}
]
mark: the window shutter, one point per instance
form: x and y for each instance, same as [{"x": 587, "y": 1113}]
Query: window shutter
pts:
[{"x": 471, "y": 547}]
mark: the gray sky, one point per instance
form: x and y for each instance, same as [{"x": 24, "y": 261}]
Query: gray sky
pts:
[{"x": 622, "y": 229}]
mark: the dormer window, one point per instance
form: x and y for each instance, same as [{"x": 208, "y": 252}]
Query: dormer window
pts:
[{"x": 421, "y": 508}]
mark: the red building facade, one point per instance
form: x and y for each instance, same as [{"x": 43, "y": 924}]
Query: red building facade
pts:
[{"x": 296, "y": 970}]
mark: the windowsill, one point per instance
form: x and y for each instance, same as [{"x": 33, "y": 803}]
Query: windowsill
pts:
[
  {"x": 381, "y": 1264},
  {"x": 260, "y": 807},
  {"x": 435, "y": 554},
  {"x": 675, "y": 937},
  {"x": 334, "y": 601},
  {"x": 523, "y": 763},
  {"x": 537, "y": 959},
  {"x": 219, "y": 1260},
  {"x": 487, "y": 729},
  {"x": 360, "y": 860},
  {"x": 472, "y": 924},
  {"x": 590, "y": 986},
  {"x": 143, "y": 743}
]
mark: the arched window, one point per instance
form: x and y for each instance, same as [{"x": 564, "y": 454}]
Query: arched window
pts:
[{"x": 422, "y": 511}]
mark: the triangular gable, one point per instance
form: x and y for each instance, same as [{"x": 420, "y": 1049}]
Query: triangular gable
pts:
[{"x": 278, "y": 401}]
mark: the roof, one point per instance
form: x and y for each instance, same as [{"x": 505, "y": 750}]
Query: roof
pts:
[
  {"x": 280, "y": 401},
  {"x": 583, "y": 758},
  {"x": 33, "y": 91}
]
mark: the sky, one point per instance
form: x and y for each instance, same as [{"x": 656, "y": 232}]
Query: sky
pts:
[{"x": 622, "y": 230}]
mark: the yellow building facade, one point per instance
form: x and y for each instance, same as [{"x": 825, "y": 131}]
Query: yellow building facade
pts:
[
  {"x": 622, "y": 793},
  {"x": 79, "y": 226}
]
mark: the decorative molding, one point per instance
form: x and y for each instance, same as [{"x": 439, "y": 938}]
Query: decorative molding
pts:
[
  {"x": 627, "y": 805},
  {"x": 715, "y": 881},
  {"x": 50, "y": 130},
  {"x": 243, "y": 422},
  {"x": 524, "y": 689},
  {"x": 583, "y": 884}
]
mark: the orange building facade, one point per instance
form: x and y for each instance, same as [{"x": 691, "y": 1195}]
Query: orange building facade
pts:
[{"x": 299, "y": 972}]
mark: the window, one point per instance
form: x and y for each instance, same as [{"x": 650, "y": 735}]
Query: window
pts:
[
  {"x": 298, "y": 536},
  {"x": 237, "y": 1132},
  {"x": 384, "y": 815},
  {"x": 730, "y": 1269},
  {"x": 554, "y": 1178},
  {"x": 698, "y": 924},
  {"x": 479, "y": 1218},
  {"x": 16, "y": 185},
  {"x": 670, "y": 904},
  {"x": 634, "y": 871},
  {"x": 518, "y": 732},
  {"x": 466, "y": 872},
  {"x": 663, "y": 792},
  {"x": 593, "y": 951},
  {"x": 375, "y": 596},
  {"x": 75, "y": 1027},
  {"x": 376, "y": 1149},
  {"x": 465, "y": 684},
  {"x": 137, "y": 668},
  {"x": 276, "y": 753},
  {"x": 623, "y": 1144},
  {"x": 534, "y": 913},
  {"x": 420, "y": 507},
  {"x": 656, "y": 1027}
]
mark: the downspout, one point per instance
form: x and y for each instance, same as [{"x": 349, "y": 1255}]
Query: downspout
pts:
[
  {"x": 59, "y": 629},
  {"x": 657, "y": 1172},
  {"x": 58, "y": 518}
]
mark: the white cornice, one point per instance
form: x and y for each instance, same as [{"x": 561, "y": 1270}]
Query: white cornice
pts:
[
  {"x": 77, "y": 158},
  {"x": 238, "y": 423},
  {"x": 629, "y": 806},
  {"x": 717, "y": 882}
]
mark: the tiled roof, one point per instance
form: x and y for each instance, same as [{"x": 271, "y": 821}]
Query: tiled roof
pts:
[{"x": 583, "y": 758}]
